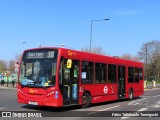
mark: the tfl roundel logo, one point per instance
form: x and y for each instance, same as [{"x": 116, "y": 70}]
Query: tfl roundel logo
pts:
[{"x": 105, "y": 89}]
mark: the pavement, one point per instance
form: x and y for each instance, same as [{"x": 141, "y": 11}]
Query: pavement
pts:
[
  {"x": 150, "y": 86},
  {"x": 8, "y": 87}
]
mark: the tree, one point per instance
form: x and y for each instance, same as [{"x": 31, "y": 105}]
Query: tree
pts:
[
  {"x": 150, "y": 54},
  {"x": 11, "y": 65},
  {"x": 130, "y": 57},
  {"x": 3, "y": 66},
  {"x": 96, "y": 50}
]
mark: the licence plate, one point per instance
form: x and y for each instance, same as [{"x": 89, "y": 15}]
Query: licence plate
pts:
[{"x": 33, "y": 103}]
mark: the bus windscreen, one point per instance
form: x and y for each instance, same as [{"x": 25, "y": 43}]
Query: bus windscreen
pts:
[{"x": 38, "y": 68}]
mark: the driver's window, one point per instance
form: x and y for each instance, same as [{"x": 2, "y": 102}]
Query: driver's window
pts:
[
  {"x": 28, "y": 69},
  {"x": 36, "y": 68}
]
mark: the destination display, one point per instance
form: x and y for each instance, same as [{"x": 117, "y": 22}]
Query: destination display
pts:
[{"x": 39, "y": 54}]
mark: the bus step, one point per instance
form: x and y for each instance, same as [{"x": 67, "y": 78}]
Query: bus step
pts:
[{"x": 70, "y": 105}]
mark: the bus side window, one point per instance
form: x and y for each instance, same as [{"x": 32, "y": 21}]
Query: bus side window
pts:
[
  {"x": 100, "y": 73},
  {"x": 111, "y": 73},
  {"x": 136, "y": 75},
  {"x": 87, "y": 72},
  {"x": 141, "y": 74},
  {"x": 130, "y": 74}
]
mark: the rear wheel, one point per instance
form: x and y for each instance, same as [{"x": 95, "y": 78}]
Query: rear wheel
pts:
[
  {"x": 131, "y": 95},
  {"x": 86, "y": 100}
]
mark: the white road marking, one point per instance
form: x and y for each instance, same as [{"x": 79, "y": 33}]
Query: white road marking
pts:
[
  {"x": 158, "y": 102},
  {"x": 104, "y": 109},
  {"x": 124, "y": 118},
  {"x": 135, "y": 103},
  {"x": 156, "y": 106},
  {"x": 143, "y": 109},
  {"x": 110, "y": 108},
  {"x": 157, "y": 96},
  {"x": 131, "y": 103},
  {"x": 2, "y": 108}
]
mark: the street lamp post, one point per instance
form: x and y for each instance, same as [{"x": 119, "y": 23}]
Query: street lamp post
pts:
[
  {"x": 91, "y": 31},
  {"x": 24, "y": 45}
]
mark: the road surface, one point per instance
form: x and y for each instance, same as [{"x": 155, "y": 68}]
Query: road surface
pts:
[{"x": 149, "y": 102}]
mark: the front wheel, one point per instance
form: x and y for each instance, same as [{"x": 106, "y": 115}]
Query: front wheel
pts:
[{"x": 86, "y": 100}]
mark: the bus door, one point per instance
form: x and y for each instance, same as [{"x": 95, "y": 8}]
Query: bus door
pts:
[
  {"x": 70, "y": 81},
  {"x": 121, "y": 82}
]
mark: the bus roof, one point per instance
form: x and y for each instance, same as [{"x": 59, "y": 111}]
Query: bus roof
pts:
[{"x": 86, "y": 55}]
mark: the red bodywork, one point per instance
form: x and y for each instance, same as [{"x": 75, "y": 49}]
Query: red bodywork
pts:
[
  {"x": 39, "y": 96},
  {"x": 97, "y": 91}
]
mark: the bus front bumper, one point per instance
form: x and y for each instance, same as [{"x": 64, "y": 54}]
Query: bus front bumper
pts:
[{"x": 39, "y": 100}]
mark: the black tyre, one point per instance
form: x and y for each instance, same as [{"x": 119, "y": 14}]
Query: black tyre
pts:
[
  {"x": 86, "y": 100},
  {"x": 131, "y": 94}
]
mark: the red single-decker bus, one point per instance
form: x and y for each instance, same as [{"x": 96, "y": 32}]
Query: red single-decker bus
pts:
[{"x": 58, "y": 77}]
